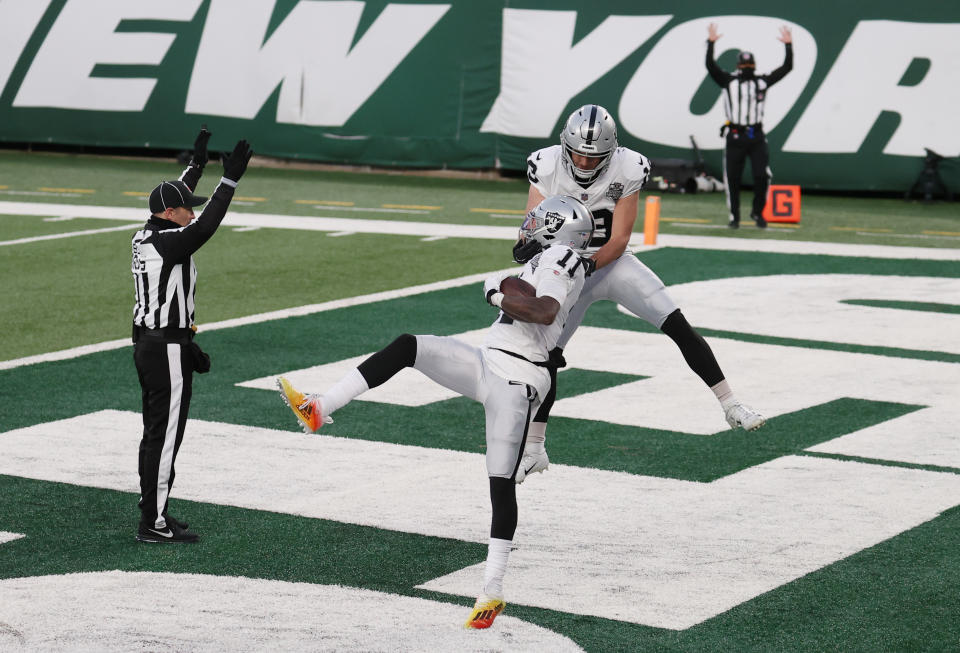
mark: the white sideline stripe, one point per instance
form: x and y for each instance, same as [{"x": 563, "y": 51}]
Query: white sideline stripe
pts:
[
  {"x": 69, "y": 234},
  {"x": 404, "y": 228},
  {"x": 309, "y": 309}
]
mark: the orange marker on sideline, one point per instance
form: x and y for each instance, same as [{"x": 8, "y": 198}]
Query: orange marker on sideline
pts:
[{"x": 651, "y": 220}]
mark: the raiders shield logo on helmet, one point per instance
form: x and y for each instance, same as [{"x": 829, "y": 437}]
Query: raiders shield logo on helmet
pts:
[{"x": 552, "y": 221}]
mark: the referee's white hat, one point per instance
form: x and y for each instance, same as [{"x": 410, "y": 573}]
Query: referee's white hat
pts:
[{"x": 171, "y": 194}]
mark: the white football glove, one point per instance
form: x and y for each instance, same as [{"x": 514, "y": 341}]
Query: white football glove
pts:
[{"x": 491, "y": 287}]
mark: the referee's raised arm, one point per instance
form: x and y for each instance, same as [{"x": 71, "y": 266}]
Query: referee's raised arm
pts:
[
  {"x": 719, "y": 75},
  {"x": 186, "y": 241}
]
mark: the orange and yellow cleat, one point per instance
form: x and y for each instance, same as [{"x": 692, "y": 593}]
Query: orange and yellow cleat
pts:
[
  {"x": 485, "y": 610},
  {"x": 305, "y": 407}
]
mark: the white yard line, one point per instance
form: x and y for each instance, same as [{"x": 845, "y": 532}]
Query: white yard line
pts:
[
  {"x": 260, "y": 317},
  {"x": 71, "y": 234},
  {"x": 340, "y": 225},
  {"x": 405, "y": 228}
]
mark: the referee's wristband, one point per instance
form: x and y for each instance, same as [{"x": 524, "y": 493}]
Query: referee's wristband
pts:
[
  {"x": 495, "y": 299},
  {"x": 229, "y": 182}
]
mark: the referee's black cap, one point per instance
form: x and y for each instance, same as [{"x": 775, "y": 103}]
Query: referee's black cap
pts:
[
  {"x": 171, "y": 194},
  {"x": 746, "y": 60}
]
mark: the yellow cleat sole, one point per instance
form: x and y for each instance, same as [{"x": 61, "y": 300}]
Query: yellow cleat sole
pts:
[{"x": 484, "y": 613}]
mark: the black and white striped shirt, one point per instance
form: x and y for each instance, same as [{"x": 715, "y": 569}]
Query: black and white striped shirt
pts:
[
  {"x": 745, "y": 93},
  {"x": 164, "y": 274}
]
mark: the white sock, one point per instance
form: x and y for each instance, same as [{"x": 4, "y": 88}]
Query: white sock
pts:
[
  {"x": 536, "y": 436},
  {"x": 724, "y": 394},
  {"x": 351, "y": 385},
  {"x": 497, "y": 553}
]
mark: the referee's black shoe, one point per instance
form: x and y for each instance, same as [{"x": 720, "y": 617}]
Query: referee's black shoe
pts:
[
  {"x": 759, "y": 220},
  {"x": 169, "y": 518},
  {"x": 171, "y": 533}
]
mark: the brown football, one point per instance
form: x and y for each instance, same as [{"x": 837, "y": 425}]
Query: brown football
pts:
[{"x": 517, "y": 286}]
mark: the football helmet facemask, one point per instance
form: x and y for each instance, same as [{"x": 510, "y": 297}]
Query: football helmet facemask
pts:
[
  {"x": 557, "y": 220},
  {"x": 589, "y": 131}
]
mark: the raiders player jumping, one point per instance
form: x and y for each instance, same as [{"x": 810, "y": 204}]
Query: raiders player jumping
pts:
[
  {"x": 508, "y": 375},
  {"x": 590, "y": 166}
]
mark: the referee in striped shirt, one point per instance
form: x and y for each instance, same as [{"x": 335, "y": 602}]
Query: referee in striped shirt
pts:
[
  {"x": 165, "y": 282},
  {"x": 744, "y": 94}
]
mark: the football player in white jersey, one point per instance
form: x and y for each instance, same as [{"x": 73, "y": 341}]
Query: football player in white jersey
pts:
[
  {"x": 508, "y": 374},
  {"x": 589, "y": 165}
]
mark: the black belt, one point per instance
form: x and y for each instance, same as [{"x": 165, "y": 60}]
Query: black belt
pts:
[
  {"x": 523, "y": 358},
  {"x": 166, "y": 334},
  {"x": 729, "y": 126}
]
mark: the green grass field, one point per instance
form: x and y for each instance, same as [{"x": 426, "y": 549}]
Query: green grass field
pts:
[{"x": 835, "y": 527}]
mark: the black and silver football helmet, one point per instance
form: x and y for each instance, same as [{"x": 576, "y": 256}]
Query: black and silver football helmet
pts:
[
  {"x": 589, "y": 131},
  {"x": 557, "y": 220}
]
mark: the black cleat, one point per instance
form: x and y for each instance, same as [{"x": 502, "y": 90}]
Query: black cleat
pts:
[
  {"x": 172, "y": 533},
  {"x": 759, "y": 220},
  {"x": 176, "y": 522},
  {"x": 734, "y": 224}
]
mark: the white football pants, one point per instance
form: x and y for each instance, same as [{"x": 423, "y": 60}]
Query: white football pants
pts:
[
  {"x": 629, "y": 283},
  {"x": 508, "y": 404}
]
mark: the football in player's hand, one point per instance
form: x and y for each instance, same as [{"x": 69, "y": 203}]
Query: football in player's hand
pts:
[{"x": 517, "y": 286}]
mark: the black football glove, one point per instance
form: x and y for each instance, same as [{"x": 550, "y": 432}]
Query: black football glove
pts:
[
  {"x": 589, "y": 265},
  {"x": 556, "y": 359},
  {"x": 524, "y": 251},
  {"x": 235, "y": 163},
  {"x": 200, "y": 155}
]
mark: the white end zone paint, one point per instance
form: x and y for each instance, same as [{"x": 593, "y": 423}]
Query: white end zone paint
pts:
[
  {"x": 6, "y": 536},
  {"x": 773, "y": 379},
  {"x": 664, "y": 553},
  {"x": 126, "y": 611},
  {"x": 809, "y": 307}
]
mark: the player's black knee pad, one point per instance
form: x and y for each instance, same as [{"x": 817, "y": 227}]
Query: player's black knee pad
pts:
[
  {"x": 503, "y": 500},
  {"x": 400, "y": 353}
]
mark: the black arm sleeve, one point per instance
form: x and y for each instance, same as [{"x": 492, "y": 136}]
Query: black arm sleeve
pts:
[
  {"x": 782, "y": 71},
  {"x": 191, "y": 176},
  {"x": 719, "y": 75},
  {"x": 180, "y": 244}
]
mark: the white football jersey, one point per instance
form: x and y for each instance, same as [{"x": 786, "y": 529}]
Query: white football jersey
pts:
[
  {"x": 555, "y": 272},
  {"x": 626, "y": 173}
]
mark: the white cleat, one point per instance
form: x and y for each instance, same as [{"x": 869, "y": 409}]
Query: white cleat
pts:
[
  {"x": 744, "y": 417},
  {"x": 531, "y": 463}
]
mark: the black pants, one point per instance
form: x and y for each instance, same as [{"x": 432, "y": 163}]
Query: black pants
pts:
[
  {"x": 165, "y": 370},
  {"x": 741, "y": 146}
]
